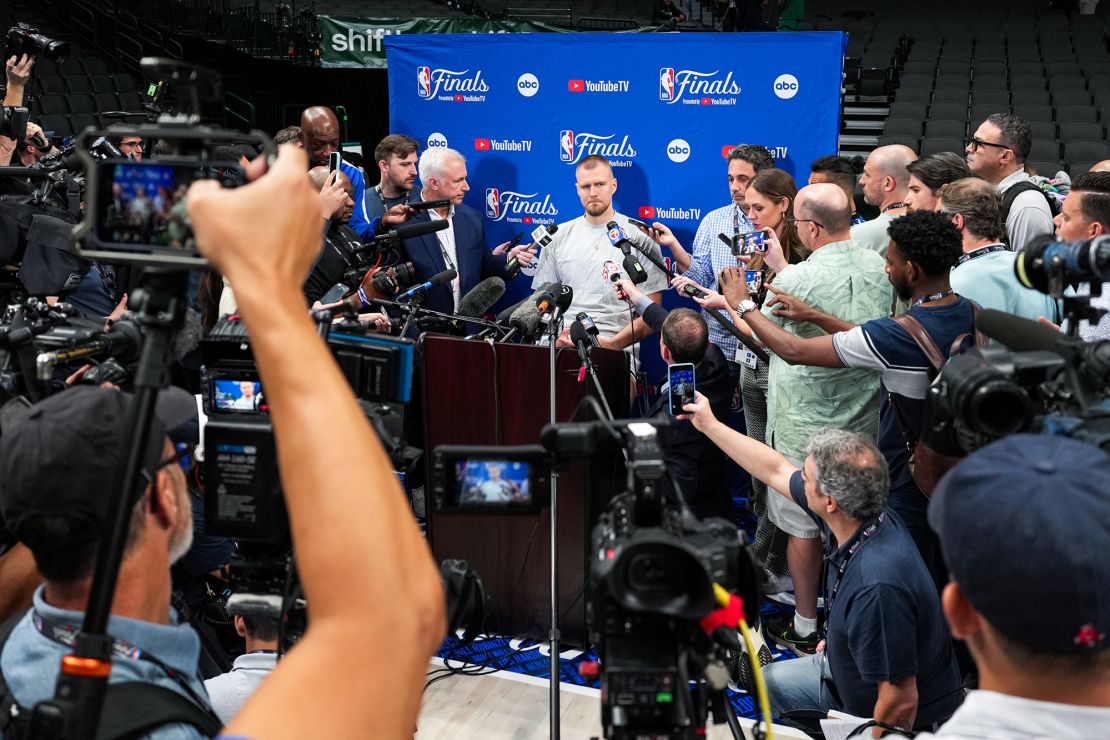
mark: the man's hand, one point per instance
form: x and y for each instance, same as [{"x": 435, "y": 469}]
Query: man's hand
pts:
[
  {"x": 333, "y": 196},
  {"x": 734, "y": 285},
  {"x": 712, "y": 300},
  {"x": 773, "y": 257},
  {"x": 18, "y": 74},
  {"x": 271, "y": 258},
  {"x": 564, "y": 339},
  {"x": 119, "y": 310},
  {"x": 698, "y": 413},
  {"x": 660, "y": 234},
  {"x": 629, "y": 289},
  {"x": 378, "y": 322},
  {"x": 35, "y": 134},
  {"x": 397, "y": 215},
  {"x": 524, "y": 254},
  {"x": 788, "y": 306}
]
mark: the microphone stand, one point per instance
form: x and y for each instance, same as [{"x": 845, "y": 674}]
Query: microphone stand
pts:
[
  {"x": 413, "y": 308},
  {"x": 555, "y": 328}
]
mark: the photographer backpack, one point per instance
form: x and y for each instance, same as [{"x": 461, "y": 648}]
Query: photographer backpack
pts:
[
  {"x": 927, "y": 466},
  {"x": 1011, "y": 195},
  {"x": 131, "y": 710}
]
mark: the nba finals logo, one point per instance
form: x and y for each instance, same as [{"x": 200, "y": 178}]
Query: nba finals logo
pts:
[
  {"x": 424, "y": 82},
  {"x": 566, "y": 146},
  {"x": 493, "y": 204},
  {"x": 666, "y": 83}
]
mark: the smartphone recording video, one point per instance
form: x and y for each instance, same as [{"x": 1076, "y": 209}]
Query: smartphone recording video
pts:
[{"x": 681, "y": 386}]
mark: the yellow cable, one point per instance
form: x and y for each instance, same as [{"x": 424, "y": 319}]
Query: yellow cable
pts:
[{"x": 723, "y": 596}]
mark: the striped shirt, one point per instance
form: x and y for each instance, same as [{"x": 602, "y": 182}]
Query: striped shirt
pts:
[{"x": 711, "y": 255}]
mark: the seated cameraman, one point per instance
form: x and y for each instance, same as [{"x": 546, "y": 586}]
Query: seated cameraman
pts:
[
  {"x": 694, "y": 462},
  {"x": 887, "y": 654},
  {"x": 18, "y": 74}
]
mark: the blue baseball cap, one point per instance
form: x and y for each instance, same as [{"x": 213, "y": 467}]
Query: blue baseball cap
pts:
[{"x": 1024, "y": 524}]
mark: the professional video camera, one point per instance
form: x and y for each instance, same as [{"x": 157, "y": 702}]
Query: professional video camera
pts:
[
  {"x": 656, "y": 574},
  {"x": 241, "y": 484},
  {"x": 24, "y": 39},
  {"x": 1045, "y": 381}
]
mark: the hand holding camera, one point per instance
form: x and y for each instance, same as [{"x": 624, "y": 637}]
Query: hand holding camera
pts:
[{"x": 18, "y": 71}]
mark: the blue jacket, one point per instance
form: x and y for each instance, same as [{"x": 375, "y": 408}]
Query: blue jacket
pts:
[
  {"x": 360, "y": 218},
  {"x": 475, "y": 262}
]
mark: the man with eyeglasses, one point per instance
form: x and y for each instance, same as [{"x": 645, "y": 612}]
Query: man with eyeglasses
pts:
[
  {"x": 130, "y": 144},
  {"x": 997, "y": 153},
  {"x": 848, "y": 281}
]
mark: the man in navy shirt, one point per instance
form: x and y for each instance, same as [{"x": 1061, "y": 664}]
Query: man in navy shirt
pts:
[
  {"x": 924, "y": 246},
  {"x": 887, "y": 654}
]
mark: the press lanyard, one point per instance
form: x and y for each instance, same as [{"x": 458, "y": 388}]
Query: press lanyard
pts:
[
  {"x": 841, "y": 569},
  {"x": 891, "y": 207},
  {"x": 931, "y": 298},
  {"x": 977, "y": 253},
  {"x": 381, "y": 197}
]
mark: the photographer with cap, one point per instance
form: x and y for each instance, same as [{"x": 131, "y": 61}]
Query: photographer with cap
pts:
[
  {"x": 374, "y": 623},
  {"x": 1024, "y": 524}
]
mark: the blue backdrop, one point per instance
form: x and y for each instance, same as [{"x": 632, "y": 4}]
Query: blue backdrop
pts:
[{"x": 663, "y": 108}]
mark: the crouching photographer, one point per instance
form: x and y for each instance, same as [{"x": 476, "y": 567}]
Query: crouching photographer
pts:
[{"x": 354, "y": 647}]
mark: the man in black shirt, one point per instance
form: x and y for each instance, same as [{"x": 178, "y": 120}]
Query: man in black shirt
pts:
[{"x": 340, "y": 241}]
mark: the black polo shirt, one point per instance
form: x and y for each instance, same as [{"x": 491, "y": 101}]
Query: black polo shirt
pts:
[{"x": 884, "y": 618}]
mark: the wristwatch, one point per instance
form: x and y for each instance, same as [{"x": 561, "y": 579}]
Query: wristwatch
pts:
[{"x": 744, "y": 306}]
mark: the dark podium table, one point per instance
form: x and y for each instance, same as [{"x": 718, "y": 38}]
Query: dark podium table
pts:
[{"x": 475, "y": 393}]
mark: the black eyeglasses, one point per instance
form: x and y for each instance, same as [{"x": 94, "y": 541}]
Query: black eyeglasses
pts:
[
  {"x": 973, "y": 144},
  {"x": 796, "y": 221},
  {"x": 182, "y": 451}
]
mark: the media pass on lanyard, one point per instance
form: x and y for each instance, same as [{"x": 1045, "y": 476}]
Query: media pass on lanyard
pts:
[{"x": 746, "y": 356}]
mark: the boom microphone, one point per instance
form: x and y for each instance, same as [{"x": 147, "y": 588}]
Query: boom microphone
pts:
[
  {"x": 479, "y": 298},
  {"x": 1018, "y": 334},
  {"x": 408, "y": 231},
  {"x": 440, "y": 278},
  {"x": 526, "y": 317},
  {"x": 121, "y": 341}
]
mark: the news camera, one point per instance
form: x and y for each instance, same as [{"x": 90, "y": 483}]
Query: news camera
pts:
[
  {"x": 243, "y": 497},
  {"x": 653, "y": 574},
  {"x": 1043, "y": 381},
  {"x": 25, "y": 39}
]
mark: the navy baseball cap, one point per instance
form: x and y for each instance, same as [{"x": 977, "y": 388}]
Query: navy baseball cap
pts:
[
  {"x": 1024, "y": 525},
  {"x": 66, "y": 455}
]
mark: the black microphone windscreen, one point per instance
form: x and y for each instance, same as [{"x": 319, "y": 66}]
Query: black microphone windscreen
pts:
[
  {"x": 504, "y": 316},
  {"x": 479, "y": 298},
  {"x": 564, "y": 298},
  {"x": 1018, "y": 334},
  {"x": 578, "y": 333},
  {"x": 552, "y": 228},
  {"x": 441, "y": 278},
  {"x": 407, "y": 231}
]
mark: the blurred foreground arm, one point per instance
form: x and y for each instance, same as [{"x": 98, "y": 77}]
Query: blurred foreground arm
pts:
[{"x": 374, "y": 594}]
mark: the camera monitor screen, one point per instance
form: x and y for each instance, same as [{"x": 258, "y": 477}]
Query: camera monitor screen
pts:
[
  {"x": 141, "y": 205},
  {"x": 493, "y": 483},
  {"x": 238, "y": 396}
]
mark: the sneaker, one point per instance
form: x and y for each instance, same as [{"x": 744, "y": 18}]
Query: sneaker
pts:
[
  {"x": 780, "y": 630},
  {"x": 740, "y": 666}
]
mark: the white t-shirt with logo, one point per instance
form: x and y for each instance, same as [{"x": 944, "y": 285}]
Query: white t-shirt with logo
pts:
[{"x": 577, "y": 256}]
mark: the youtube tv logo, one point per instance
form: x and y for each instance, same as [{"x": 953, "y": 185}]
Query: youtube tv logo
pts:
[
  {"x": 647, "y": 212},
  {"x": 727, "y": 149},
  {"x": 576, "y": 85},
  {"x": 482, "y": 145}
]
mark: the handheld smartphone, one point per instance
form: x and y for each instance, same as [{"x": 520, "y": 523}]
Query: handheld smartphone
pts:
[
  {"x": 335, "y": 159},
  {"x": 754, "y": 279},
  {"x": 424, "y": 205},
  {"x": 752, "y": 242},
  {"x": 681, "y": 379},
  {"x": 516, "y": 240}
]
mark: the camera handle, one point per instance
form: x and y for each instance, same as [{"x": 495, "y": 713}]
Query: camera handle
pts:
[{"x": 74, "y": 712}]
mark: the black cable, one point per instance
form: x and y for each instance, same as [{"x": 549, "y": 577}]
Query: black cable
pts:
[{"x": 730, "y": 717}]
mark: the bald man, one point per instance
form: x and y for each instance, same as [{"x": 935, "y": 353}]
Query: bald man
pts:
[
  {"x": 1103, "y": 166},
  {"x": 849, "y": 281},
  {"x": 885, "y": 182},
  {"x": 321, "y": 138}
]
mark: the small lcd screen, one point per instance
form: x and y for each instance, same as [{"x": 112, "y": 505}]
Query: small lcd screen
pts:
[
  {"x": 242, "y": 396},
  {"x": 493, "y": 482},
  {"x": 142, "y": 204},
  {"x": 681, "y": 387},
  {"x": 754, "y": 279}
]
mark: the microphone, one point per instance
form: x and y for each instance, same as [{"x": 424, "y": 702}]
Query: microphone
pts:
[
  {"x": 636, "y": 272},
  {"x": 612, "y": 274},
  {"x": 440, "y": 278},
  {"x": 526, "y": 317},
  {"x": 1018, "y": 334},
  {"x": 351, "y": 304},
  {"x": 408, "y": 231},
  {"x": 541, "y": 237},
  {"x": 545, "y": 301},
  {"x": 504, "y": 316},
  {"x": 479, "y": 298},
  {"x": 122, "y": 341},
  {"x": 590, "y": 327},
  {"x": 582, "y": 342}
]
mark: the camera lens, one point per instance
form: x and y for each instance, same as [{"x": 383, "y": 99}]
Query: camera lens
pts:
[
  {"x": 984, "y": 398},
  {"x": 406, "y": 273}
]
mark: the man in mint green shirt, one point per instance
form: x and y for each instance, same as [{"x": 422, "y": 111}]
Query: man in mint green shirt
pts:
[
  {"x": 985, "y": 272},
  {"x": 848, "y": 281}
]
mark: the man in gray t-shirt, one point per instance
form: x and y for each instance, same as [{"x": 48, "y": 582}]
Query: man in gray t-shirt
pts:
[{"x": 582, "y": 256}]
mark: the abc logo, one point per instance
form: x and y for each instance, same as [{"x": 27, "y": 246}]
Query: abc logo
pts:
[
  {"x": 786, "y": 86},
  {"x": 527, "y": 85},
  {"x": 678, "y": 150},
  {"x": 437, "y": 140}
]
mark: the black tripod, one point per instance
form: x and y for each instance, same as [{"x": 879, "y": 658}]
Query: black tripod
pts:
[{"x": 74, "y": 712}]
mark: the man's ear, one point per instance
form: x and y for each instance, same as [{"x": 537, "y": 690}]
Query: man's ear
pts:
[
  {"x": 164, "y": 503},
  {"x": 962, "y": 618}
]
